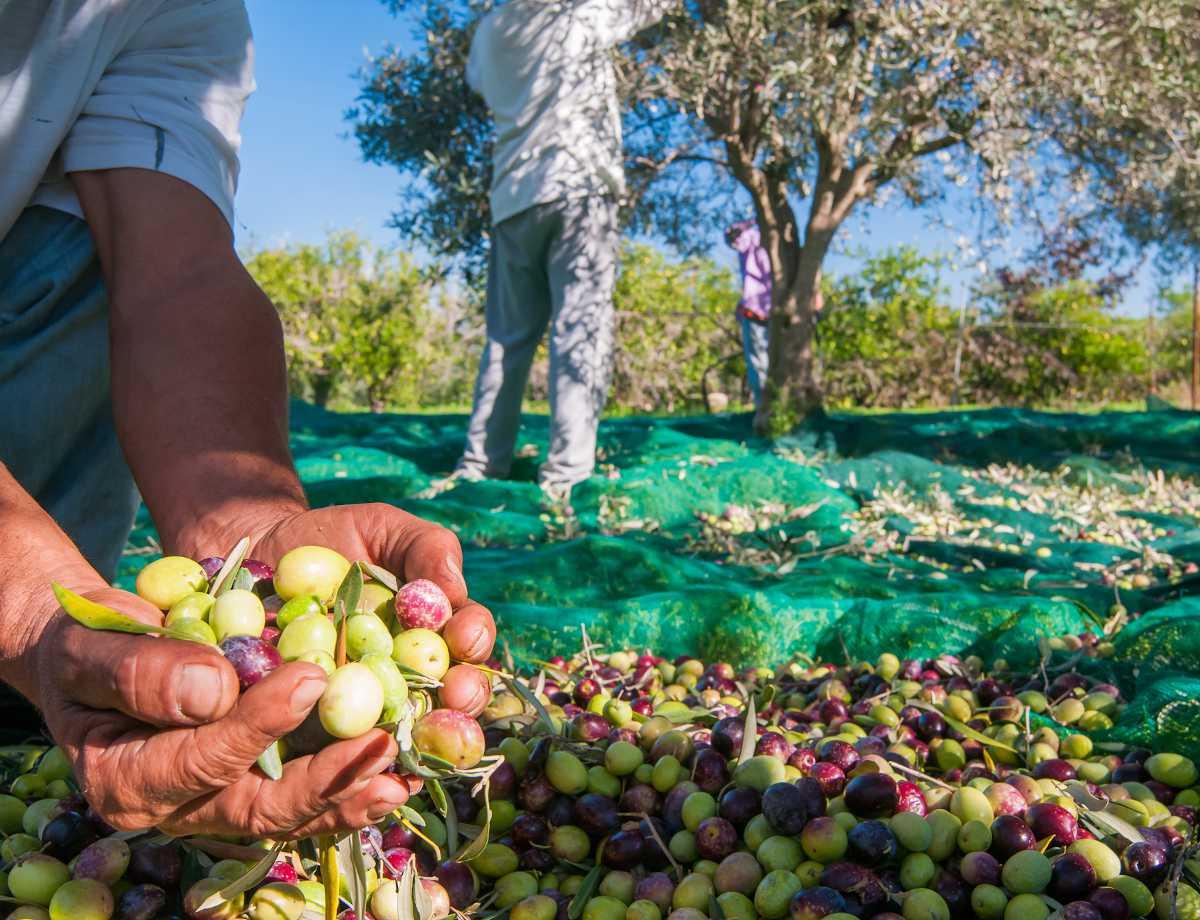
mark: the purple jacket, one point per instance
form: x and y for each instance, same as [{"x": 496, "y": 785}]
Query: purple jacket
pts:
[{"x": 756, "y": 269}]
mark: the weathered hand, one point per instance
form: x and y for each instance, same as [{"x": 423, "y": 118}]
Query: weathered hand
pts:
[
  {"x": 159, "y": 736},
  {"x": 411, "y": 548}
]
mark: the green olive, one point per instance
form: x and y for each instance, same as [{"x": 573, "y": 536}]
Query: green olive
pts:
[
  {"x": 82, "y": 899},
  {"x": 352, "y": 701},
  {"x": 36, "y": 877},
  {"x": 237, "y": 613},
  {"x": 310, "y": 570},
  {"x": 367, "y": 634},
  {"x": 167, "y": 581},
  {"x": 298, "y": 606},
  {"x": 194, "y": 606},
  {"x": 311, "y": 633},
  {"x": 423, "y": 651}
]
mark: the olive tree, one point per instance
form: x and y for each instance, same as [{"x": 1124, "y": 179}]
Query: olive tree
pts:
[{"x": 814, "y": 109}]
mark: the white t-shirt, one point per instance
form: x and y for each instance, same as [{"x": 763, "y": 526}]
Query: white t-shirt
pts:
[
  {"x": 544, "y": 69},
  {"x": 103, "y": 84}
]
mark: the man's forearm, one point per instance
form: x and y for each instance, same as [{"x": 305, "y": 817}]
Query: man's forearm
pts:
[
  {"x": 198, "y": 382},
  {"x": 200, "y": 398},
  {"x": 33, "y": 553}
]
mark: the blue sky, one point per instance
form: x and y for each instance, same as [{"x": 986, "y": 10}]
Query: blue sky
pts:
[{"x": 302, "y": 174}]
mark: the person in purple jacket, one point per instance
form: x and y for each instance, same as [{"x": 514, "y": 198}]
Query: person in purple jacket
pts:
[{"x": 754, "y": 308}]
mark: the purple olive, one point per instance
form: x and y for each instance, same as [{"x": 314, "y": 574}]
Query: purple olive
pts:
[
  {"x": 710, "y": 771},
  {"x": 640, "y": 798},
  {"x": 727, "y": 735},
  {"x": 536, "y": 859},
  {"x": 1049, "y": 820},
  {"x": 155, "y": 865},
  {"x": 830, "y": 777},
  {"x": 930, "y": 725},
  {"x": 1054, "y": 768},
  {"x": 716, "y": 838},
  {"x": 560, "y": 811},
  {"x": 588, "y": 726},
  {"x": 1011, "y": 835},
  {"x": 656, "y": 888},
  {"x": 980, "y": 868},
  {"x": 1071, "y": 878},
  {"x": 871, "y": 795},
  {"x": 458, "y": 881},
  {"x": 815, "y": 903},
  {"x": 1146, "y": 862},
  {"x": 773, "y": 744},
  {"x": 872, "y": 843},
  {"x": 503, "y": 782},
  {"x": 623, "y": 850},
  {"x": 529, "y": 830},
  {"x": 839, "y": 753},
  {"x": 844, "y": 876},
  {"x": 65, "y": 835},
  {"x": 1080, "y": 910},
  {"x": 596, "y": 814},
  {"x": 251, "y": 657},
  {"x": 739, "y": 805},
  {"x": 465, "y": 807},
  {"x": 785, "y": 807},
  {"x": 141, "y": 902},
  {"x": 1110, "y": 904},
  {"x": 536, "y": 792},
  {"x": 212, "y": 565}
]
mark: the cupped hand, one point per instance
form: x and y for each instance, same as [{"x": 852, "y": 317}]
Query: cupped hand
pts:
[
  {"x": 410, "y": 548},
  {"x": 159, "y": 737}
]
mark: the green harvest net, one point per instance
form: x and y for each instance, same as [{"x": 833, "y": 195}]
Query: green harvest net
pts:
[{"x": 964, "y": 532}]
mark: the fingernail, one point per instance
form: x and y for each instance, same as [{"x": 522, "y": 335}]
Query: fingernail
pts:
[
  {"x": 306, "y": 695},
  {"x": 199, "y": 692},
  {"x": 454, "y": 570}
]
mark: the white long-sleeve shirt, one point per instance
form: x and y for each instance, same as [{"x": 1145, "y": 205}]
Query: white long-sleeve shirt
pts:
[
  {"x": 544, "y": 69},
  {"x": 102, "y": 84}
]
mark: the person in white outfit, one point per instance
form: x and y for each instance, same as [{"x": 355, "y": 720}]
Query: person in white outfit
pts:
[{"x": 546, "y": 71}]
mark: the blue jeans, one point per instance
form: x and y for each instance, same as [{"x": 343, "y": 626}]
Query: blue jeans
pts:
[
  {"x": 756, "y": 338},
  {"x": 56, "y": 424}
]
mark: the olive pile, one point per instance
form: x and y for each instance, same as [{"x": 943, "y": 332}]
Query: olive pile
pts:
[
  {"x": 63, "y": 862},
  {"x": 918, "y": 789},
  {"x": 627, "y": 787}
]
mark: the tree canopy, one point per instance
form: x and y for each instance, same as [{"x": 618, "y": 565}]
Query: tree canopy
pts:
[{"x": 816, "y": 108}]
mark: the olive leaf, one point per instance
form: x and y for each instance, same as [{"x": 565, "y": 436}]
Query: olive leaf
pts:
[
  {"x": 749, "y": 733},
  {"x": 410, "y": 764},
  {"x": 381, "y": 575},
  {"x": 1104, "y": 823},
  {"x": 412, "y": 815},
  {"x": 270, "y": 761},
  {"x": 330, "y": 875},
  {"x": 246, "y": 881},
  {"x": 224, "y": 580},
  {"x": 587, "y": 888},
  {"x": 97, "y": 616},
  {"x": 352, "y": 866},
  {"x": 527, "y": 696},
  {"x": 437, "y": 795},
  {"x": 480, "y": 841},
  {"x": 345, "y": 602}
]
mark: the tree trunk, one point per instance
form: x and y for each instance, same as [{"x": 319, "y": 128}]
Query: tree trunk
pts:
[
  {"x": 1196, "y": 336},
  {"x": 793, "y": 387}
]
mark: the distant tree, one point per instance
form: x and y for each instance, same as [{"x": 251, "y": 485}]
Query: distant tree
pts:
[{"x": 824, "y": 102}]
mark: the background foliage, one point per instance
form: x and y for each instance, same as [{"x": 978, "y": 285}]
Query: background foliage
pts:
[{"x": 366, "y": 329}]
